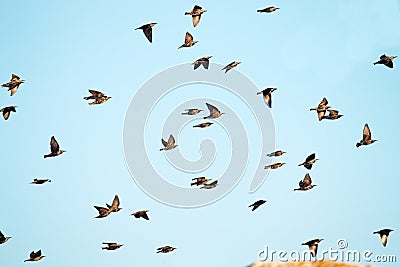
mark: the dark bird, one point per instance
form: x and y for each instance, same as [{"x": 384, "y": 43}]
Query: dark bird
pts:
[
  {"x": 203, "y": 125},
  {"x": 267, "y": 96},
  {"x": 214, "y": 112},
  {"x": 13, "y": 84},
  {"x": 55, "y": 149},
  {"x": 103, "y": 212},
  {"x": 196, "y": 14},
  {"x": 7, "y": 111},
  {"x": 231, "y": 66},
  {"x": 333, "y": 115},
  {"x": 40, "y": 181},
  {"x": 276, "y": 153},
  {"x": 3, "y": 239},
  {"x": 310, "y": 160},
  {"x": 192, "y": 111},
  {"x": 99, "y": 97},
  {"x": 114, "y": 207},
  {"x": 268, "y": 9},
  {"x": 205, "y": 61},
  {"x": 366, "y": 137},
  {"x": 111, "y": 246},
  {"x": 168, "y": 145},
  {"x": 210, "y": 185},
  {"x": 165, "y": 249},
  {"x": 257, "y": 204},
  {"x": 384, "y": 233},
  {"x": 200, "y": 181},
  {"x": 274, "y": 166},
  {"x": 321, "y": 108},
  {"x": 313, "y": 246},
  {"x": 141, "y": 214},
  {"x": 148, "y": 30},
  {"x": 305, "y": 184},
  {"x": 35, "y": 256},
  {"x": 386, "y": 60},
  {"x": 188, "y": 41}
]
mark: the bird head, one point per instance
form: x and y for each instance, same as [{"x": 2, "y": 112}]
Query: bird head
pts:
[
  {"x": 392, "y": 57},
  {"x": 195, "y": 42},
  {"x": 108, "y": 97},
  {"x": 62, "y": 151},
  {"x": 373, "y": 141},
  {"x": 152, "y": 24}
]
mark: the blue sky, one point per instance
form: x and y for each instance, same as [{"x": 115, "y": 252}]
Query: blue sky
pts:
[{"x": 308, "y": 50}]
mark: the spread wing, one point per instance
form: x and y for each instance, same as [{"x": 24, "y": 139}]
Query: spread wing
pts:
[
  {"x": 1, "y": 236},
  {"x": 212, "y": 109},
  {"x": 115, "y": 202},
  {"x": 6, "y": 114},
  {"x": 366, "y": 133},
  {"x": 96, "y": 93},
  {"x": 205, "y": 63},
  {"x": 54, "y": 147},
  {"x": 389, "y": 63},
  {"x": 197, "y": 8},
  {"x": 171, "y": 140},
  {"x": 268, "y": 100},
  {"x": 164, "y": 142},
  {"x": 14, "y": 77},
  {"x": 13, "y": 89},
  {"x": 333, "y": 112},
  {"x": 197, "y": 64},
  {"x": 148, "y": 32},
  {"x": 145, "y": 216},
  {"x": 196, "y": 20},
  {"x": 311, "y": 157},
  {"x": 383, "y": 56},
  {"x": 323, "y": 103},
  {"x": 109, "y": 243},
  {"x": 307, "y": 180},
  {"x": 188, "y": 38}
]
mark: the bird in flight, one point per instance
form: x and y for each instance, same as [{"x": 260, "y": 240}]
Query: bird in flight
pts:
[
  {"x": 310, "y": 160},
  {"x": 203, "y": 125},
  {"x": 13, "y": 84},
  {"x": 35, "y": 256},
  {"x": 214, "y": 112},
  {"x": 168, "y": 145},
  {"x": 99, "y": 97},
  {"x": 268, "y": 9},
  {"x": 165, "y": 249},
  {"x": 210, "y": 185},
  {"x": 333, "y": 115},
  {"x": 40, "y": 181},
  {"x": 103, "y": 212},
  {"x": 111, "y": 245},
  {"x": 188, "y": 41},
  {"x": 200, "y": 181},
  {"x": 196, "y": 14},
  {"x": 257, "y": 204},
  {"x": 305, "y": 184},
  {"x": 366, "y": 137},
  {"x": 321, "y": 108},
  {"x": 147, "y": 30},
  {"x": 114, "y": 207},
  {"x": 204, "y": 61},
  {"x": 275, "y": 165},
  {"x": 384, "y": 234},
  {"x": 386, "y": 60},
  {"x": 4, "y": 239},
  {"x": 231, "y": 66},
  {"x": 54, "y": 148},
  {"x": 192, "y": 111},
  {"x": 267, "y": 95},
  {"x": 276, "y": 153},
  {"x": 313, "y": 246},
  {"x": 7, "y": 111},
  {"x": 141, "y": 214}
]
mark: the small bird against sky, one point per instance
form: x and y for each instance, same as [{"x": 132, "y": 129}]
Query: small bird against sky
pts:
[
  {"x": 114, "y": 207},
  {"x": 231, "y": 66},
  {"x": 141, "y": 214},
  {"x": 310, "y": 160},
  {"x": 257, "y": 204},
  {"x": 103, "y": 212},
  {"x": 165, "y": 249},
  {"x": 13, "y": 84},
  {"x": 214, "y": 112},
  {"x": 192, "y": 111},
  {"x": 305, "y": 184},
  {"x": 111, "y": 246},
  {"x": 99, "y": 97},
  {"x": 196, "y": 14},
  {"x": 268, "y": 9},
  {"x": 384, "y": 233},
  {"x": 313, "y": 246},
  {"x": 4, "y": 239},
  {"x": 35, "y": 256},
  {"x": 54, "y": 148},
  {"x": 276, "y": 153},
  {"x": 366, "y": 137},
  {"x": 203, "y": 125},
  {"x": 210, "y": 185},
  {"x": 267, "y": 95},
  {"x": 205, "y": 61},
  {"x": 7, "y": 111},
  {"x": 386, "y": 60},
  {"x": 188, "y": 41},
  {"x": 147, "y": 30},
  {"x": 168, "y": 145},
  {"x": 275, "y": 165},
  {"x": 200, "y": 181},
  {"x": 333, "y": 115},
  {"x": 321, "y": 108},
  {"x": 41, "y": 181}
]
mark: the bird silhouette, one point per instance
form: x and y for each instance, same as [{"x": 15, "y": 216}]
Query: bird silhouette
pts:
[
  {"x": 366, "y": 140},
  {"x": 13, "y": 84},
  {"x": 7, "y": 111},
  {"x": 192, "y": 111},
  {"x": 147, "y": 30},
  {"x": 384, "y": 234},
  {"x": 313, "y": 246},
  {"x": 310, "y": 160},
  {"x": 196, "y": 14},
  {"x": 165, "y": 249},
  {"x": 276, "y": 153},
  {"x": 35, "y": 256},
  {"x": 203, "y": 125},
  {"x": 141, "y": 214},
  {"x": 305, "y": 184},
  {"x": 41, "y": 181},
  {"x": 386, "y": 60},
  {"x": 99, "y": 97},
  {"x": 111, "y": 246},
  {"x": 114, "y": 207},
  {"x": 267, "y": 95},
  {"x": 257, "y": 204},
  {"x": 188, "y": 41},
  {"x": 268, "y": 9},
  {"x": 54, "y": 148},
  {"x": 274, "y": 166},
  {"x": 4, "y": 239},
  {"x": 214, "y": 112},
  {"x": 204, "y": 61},
  {"x": 168, "y": 145},
  {"x": 231, "y": 66}
]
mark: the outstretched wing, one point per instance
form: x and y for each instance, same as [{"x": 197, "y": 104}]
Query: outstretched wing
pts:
[
  {"x": 212, "y": 109},
  {"x": 333, "y": 112},
  {"x": 188, "y": 38},
  {"x": 164, "y": 142},
  {"x": 307, "y": 180},
  {"x": 96, "y": 93},
  {"x": 205, "y": 63},
  {"x": 310, "y": 158},
  {"x": 383, "y": 56},
  {"x": 148, "y": 32},
  {"x": 54, "y": 147},
  {"x": 196, "y": 20},
  {"x": 197, "y": 64},
  {"x": 323, "y": 103},
  {"x": 14, "y": 77},
  {"x": 115, "y": 202},
  {"x": 366, "y": 133},
  {"x": 171, "y": 141}
]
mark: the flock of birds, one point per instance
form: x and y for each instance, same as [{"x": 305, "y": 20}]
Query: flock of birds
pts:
[{"x": 99, "y": 98}]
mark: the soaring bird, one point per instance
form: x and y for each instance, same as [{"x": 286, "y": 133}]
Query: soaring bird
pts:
[
  {"x": 276, "y": 153},
  {"x": 99, "y": 97},
  {"x": 168, "y": 145},
  {"x": 7, "y": 111},
  {"x": 196, "y": 14},
  {"x": 321, "y": 108},
  {"x": 214, "y": 112},
  {"x": 192, "y": 111},
  {"x": 333, "y": 115},
  {"x": 231, "y": 66},
  {"x": 3, "y": 239},
  {"x": 165, "y": 249},
  {"x": 305, "y": 184},
  {"x": 310, "y": 160},
  {"x": 366, "y": 137},
  {"x": 141, "y": 214},
  {"x": 313, "y": 246},
  {"x": 148, "y": 30},
  {"x": 35, "y": 256},
  {"x": 200, "y": 181},
  {"x": 40, "y": 181},
  {"x": 55, "y": 149},
  {"x": 13, "y": 84},
  {"x": 205, "y": 61},
  {"x": 257, "y": 204},
  {"x": 268, "y": 9},
  {"x": 274, "y": 166},
  {"x": 267, "y": 95},
  {"x": 111, "y": 245},
  {"x": 384, "y": 233},
  {"x": 210, "y": 185},
  {"x": 103, "y": 212},
  {"x": 188, "y": 41},
  {"x": 203, "y": 125},
  {"x": 386, "y": 60},
  {"x": 114, "y": 207}
]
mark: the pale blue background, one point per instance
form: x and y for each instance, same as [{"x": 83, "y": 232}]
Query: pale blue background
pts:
[{"x": 308, "y": 49}]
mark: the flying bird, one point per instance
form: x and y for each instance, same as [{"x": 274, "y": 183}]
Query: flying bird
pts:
[
  {"x": 214, "y": 112},
  {"x": 257, "y": 204},
  {"x": 276, "y": 153},
  {"x": 310, "y": 160},
  {"x": 114, "y": 207},
  {"x": 188, "y": 41},
  {"x": 333, "y": 115},
  {"x": 4, "y": 239},
  {"x": 192, "y": 111},
  {"x": 384, "y": 233},
  {"x": 321, "y": 108},
  {"x": 313, "y": 246},
  {"x": 103, "y": 212},
  {"x": 148, "y": 30},
  {"x": 99, "y": 97},
  {"x": 231, "y": 66},
  {"x": 267, "y": 95},
  {"x": 55, "y": 149},
  {"x": 204, "y": 61},
  {"x": 40, "y": 181},
  {"x": 168, "y": 145},
  {"x": 274, "y": 166},
  {"x": 305, "y": 184},
  {"x": 165, "y": 249},
  {"x": 210, "y": 185},
  {"x": 111, "y": 246},
  {"x": 366, "y": 137},
  {"x": 13, "y": 84},
  {"x": 141, "y": 214},
  {"x": 200, "y": 181},
  {"x": 203, "y": 125},
  {"x": 7, "y": 111},
  {"x": 268, "y": 9},
  {"x": 196, "y": 14},
  {"x": 386, "y": 60},
  {"x": 35, "y": 256}
]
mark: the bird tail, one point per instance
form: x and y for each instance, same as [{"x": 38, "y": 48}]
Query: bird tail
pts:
[
  {"x": 192, "y": 184},
  {"x": 259, "y": 10},
  {"x": 259, "y": 93},
  {"x": 46, "y": 156},
  {"x": 375, "y": 63},
  {"x": 301, "y": 164},
  {"x": 196, "y": 126},
  {"x": 185, "y": 113},
  {"x": 187, "y": 13},
  {"x": 161, "y": 149},
  {"x": 205, "y": 118},
  {"x": 267, "y": 167},
  {"x": 358, "y": 144},
  {"x": 86, "y": 97}
]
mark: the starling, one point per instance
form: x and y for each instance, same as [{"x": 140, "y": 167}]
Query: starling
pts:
[
  {"x": 7, "y": 111},
  {"x": 274, "y": 166},
  {"x": 114, "y": 207},
  {"x": 366, "y": 137},
  {"x": 205, "y": 61},
  {"x": 99, "y": 97},
  {"x": 310, "y": 160},
  {"x": 231, "y": 66},
  {"x": 276, "y": 153},
  {"x": 192, "y": 111},
  {"x": 141, "y": 214},
  {"x": 214, "y": 112},
  {"x": 257, "y": 204},
  {"x": 168, "y": 145},
  {"x": 305, "y": 184},
  {"x": 203, "y": 125},
  {"x": 35, "y": 256},
  {"x": 196, "y": 14},
  {"x": 322, "y": 108},
  {"x": 333, "y": 115},
  {"x": 313, "y": 246},
  {"x": 188, "y": 41},
  {"x": 55, "y": 149},
  {"x": 13, "y": 84},
  {"x": 40, "y": 181},
  {"x": 111, "y": 246},
  {"x": 268, "y": 9},
  {"x": 103, "y": 212},
  {"x": 386, "y": 60},
  {"x": 200, "y": 181},
  {"x": 165, "y": 249},
  {"x": 267, "y": 96},
  {"x": 384, "y": 233},
  {"x": 147, "y": 30},
  {"x": 3, "y": 239},
  {"x": 210, "y": 185}
]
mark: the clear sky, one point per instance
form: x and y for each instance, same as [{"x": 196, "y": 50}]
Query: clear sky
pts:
[{"x": 308, "y": 50}]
